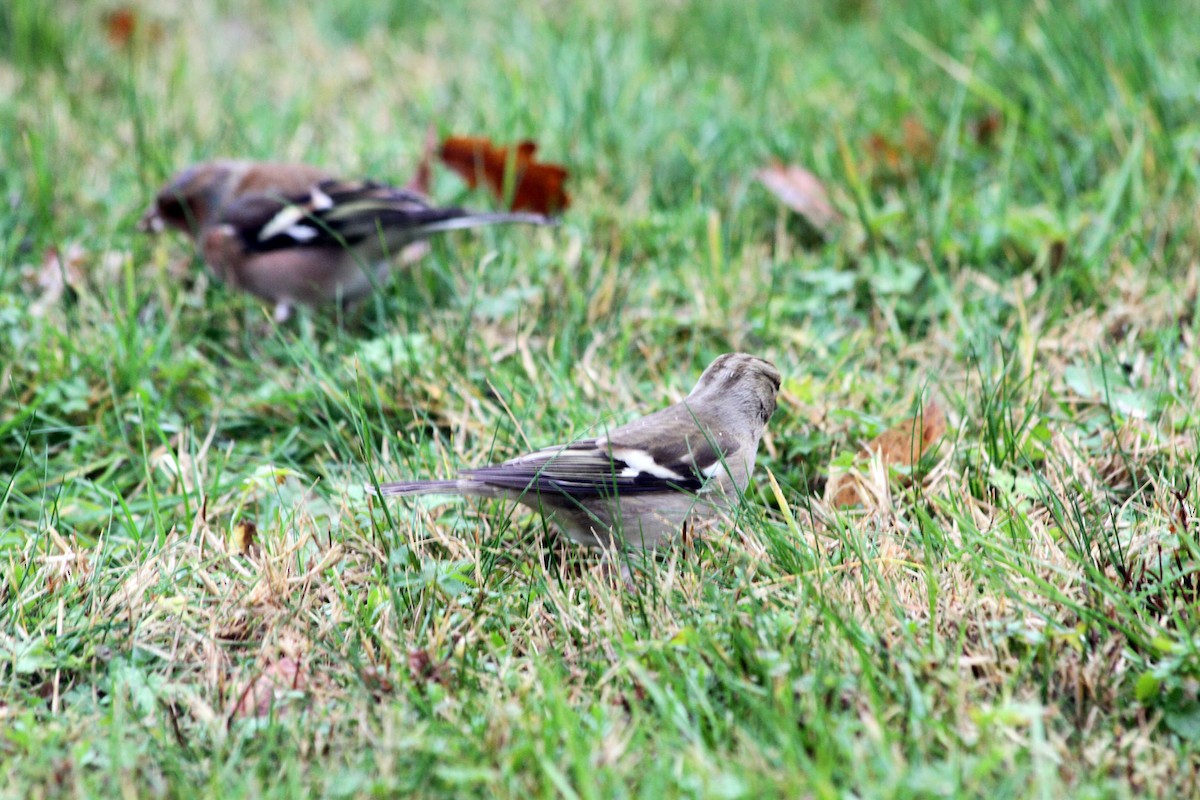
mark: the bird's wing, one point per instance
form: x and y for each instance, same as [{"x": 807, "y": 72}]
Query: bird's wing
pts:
[
  {"x": 345, "y": 213},
  {"x": 675, "y": 440},
  {"x": 331, "y": 213},
  {"x": 661, "y": 452},
  {"x": 584, "y": 469}
]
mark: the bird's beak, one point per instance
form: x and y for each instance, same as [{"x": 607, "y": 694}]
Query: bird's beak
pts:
[{"x": 151, "y": 221}]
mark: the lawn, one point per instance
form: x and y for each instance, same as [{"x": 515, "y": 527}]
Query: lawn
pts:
[{"x": 198, "y": 597}]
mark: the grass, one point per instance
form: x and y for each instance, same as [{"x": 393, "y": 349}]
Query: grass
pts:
[{"x": 1014, "y": 616}]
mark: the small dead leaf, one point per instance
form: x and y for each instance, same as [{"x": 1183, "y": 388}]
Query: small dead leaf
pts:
[
  {"x": 916, "y": 147},
  {"x": 900, "y": 446},
  {"x": 984, "y": 129},
  {"x": 123, "y": 24},
  {"x": 119, "y": 25},
  {"x": 802, "y": 192},
  {"x": 420, "y": 664},
  {"x": 883, "y": 154},
  {"x": 537, "y": 186},
  {"x": 918, "y": 141},
  {"x": 846, "y": 488},
  {"x": 262, "y": 693},
  {"x": 422, "y": 178},
  {"x": 244, "y": 537},
  {"x": 424, "y": 668},
  {"x": 904, "y": 444}
]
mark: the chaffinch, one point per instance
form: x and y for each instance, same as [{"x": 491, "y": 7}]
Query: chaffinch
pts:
[
  {"x": 641, "y": 483},
  {"x": 293, "y": 233}
]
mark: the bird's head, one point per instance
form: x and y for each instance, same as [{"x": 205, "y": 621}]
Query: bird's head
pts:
[
  {"x": 741, "y": 382},
  {"x": 187, "y": 202}
]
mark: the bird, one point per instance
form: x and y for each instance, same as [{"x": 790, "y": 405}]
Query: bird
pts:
[
  {"x": 296, "y": 234},
  {"x": 640, "y": 484}
]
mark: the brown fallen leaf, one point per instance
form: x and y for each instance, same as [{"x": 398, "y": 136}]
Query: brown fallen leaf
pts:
[
  {"x": 918, "y": 141},
  {"x": 537, "y": 186},
  {"x": 916, "y": 147},
  {"x": 123, "y": 24},
  {"x": 119, "y": 25},
  {"x": 884, "y": 156},
  {"x": 984, "y": 129},
  {"x": 902, "y": 445},
  {"x": 424, "y": 669},
  {"x": 244, "y": 537},
  {"x": 802, "y": 192}
]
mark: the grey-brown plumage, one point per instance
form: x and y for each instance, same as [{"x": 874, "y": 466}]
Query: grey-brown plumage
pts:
[
  {"x": 292, "y": 233},
  {"x": 642, "y": 482}
]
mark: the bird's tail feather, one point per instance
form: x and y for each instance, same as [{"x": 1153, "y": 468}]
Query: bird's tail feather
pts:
[
  {"x": 418, "y": 487},
  {"x": 366, "y": 218},
  {"x": 475, "y": 219}
]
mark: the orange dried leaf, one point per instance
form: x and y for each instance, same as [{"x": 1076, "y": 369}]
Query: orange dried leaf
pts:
[
  {"x": 123, "y": 25},
  {"x": 537, "y": 186},
  {"x": 900, "y": 446},
  {"x": 916, "y": 146},
  {"x": 905, "y": 444},
  {"x": 842, "y": 490},
  {"x": 883, "y": 154},
  {"x": 801, "y": 191},
  {"x": 119, "y": 26}
]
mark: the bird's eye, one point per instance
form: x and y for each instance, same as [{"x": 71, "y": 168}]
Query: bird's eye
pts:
[{"x": 172, "y": 208}]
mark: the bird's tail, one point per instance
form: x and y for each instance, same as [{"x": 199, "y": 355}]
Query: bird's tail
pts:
[
  {"x": 366, "y": 208},
  {"x": 399, "y": 224},
  {"x": 417, "y": 487},
  {"x": 455, "y": 219}
]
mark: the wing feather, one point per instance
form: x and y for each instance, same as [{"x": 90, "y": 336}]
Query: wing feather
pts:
[
  {"x": 605, "y": 467},
  {"x": 336, "y": 213}
]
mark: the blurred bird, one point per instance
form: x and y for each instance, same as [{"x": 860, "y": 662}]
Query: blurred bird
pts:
[
  {"x": 642, "y": 482},
  {"x": 292, "y": 233}
]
